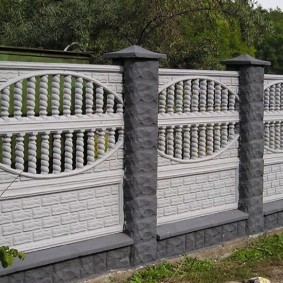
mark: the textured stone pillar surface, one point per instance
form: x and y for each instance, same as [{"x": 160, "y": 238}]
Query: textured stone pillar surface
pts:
[
  {"x": 251, "y": 142},
  {"x": 140, "y": 149}
]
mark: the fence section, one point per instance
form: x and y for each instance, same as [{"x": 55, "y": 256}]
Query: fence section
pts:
[
  {"x": 198, "y": 158},
  {"x": 61, "y": 138},
  {"x": 273, "y": 138}
]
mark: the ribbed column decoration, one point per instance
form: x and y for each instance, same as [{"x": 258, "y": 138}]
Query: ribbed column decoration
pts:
[
  {"x": 224, "y": 99},
  {"x": 140, "y": 152},
  {"x": 272, "y": 135},
  {"x": 266, "y": 100},
  {"x": 161, "y": 139},
  {"x": 43, "y": 95},
  {"x": 202, "y": 99},
  {"x": 224, "y": 134},
  {"x": 217, "y": 101},
  {"x": 162, "y": 101},
  {"x": 277, "y": 97},
  {"x": 217, "y": 137},
  {"x": 5, "y": 102},
  {"x": 202, "y": 141},
  {"x": 101, "y": 143},
  {"x": 194, "y": 141},
  {"x": 78, "y": 96},
  {"x": 6, "y": 150},
  {"x": 110, "y": 102},
  {"x": 67, "y": 101},
  {"x": 195, "y": 96},
  {"x": 187, "y": 96},
  {"x": 170, "y": 141},
  {"x": 170, "y": 99},
  {"x": 111, "y": 138},
  {"x": 187, "y": 142},
  {"x": 55, "y": 102},
  {"x": 19, "y": 152},
  {"x": 31, "y": 96},
  {"x": 277, "y": 135},
  {"x": 18, "y": 96},
  {"x": 90, "y": 147},
  {"x": 178, "y": 142},
  {"x": 80, "y": 149},
  {"x": 68, "y": 162},
  {"x": 99, "y": 100},
  {"x": 89, "y": 98},
  {"x": 32, "y": 154},
  {"x": 179, "y": 97},
  {"x": 57, "y": 153},
  {"x": 210, "y": 95},
  {"x": 209, "y": 141},
  {"x": 44, "y": 153},
  {"x": 272, "y": 98},
  {"x": 266, "y": 134},
  {"x": 251, "y": 141}
]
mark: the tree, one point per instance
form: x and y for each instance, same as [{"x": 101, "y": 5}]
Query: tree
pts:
[
  {"x": 271, "y": 49},
  {"x": 193, "y": 33}
]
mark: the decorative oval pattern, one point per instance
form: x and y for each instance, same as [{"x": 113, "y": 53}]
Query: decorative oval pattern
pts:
[
  {"x": 273, "y": 117},
  {"x": 57, "y": 123},
  {"x": 198, "y": 119}
]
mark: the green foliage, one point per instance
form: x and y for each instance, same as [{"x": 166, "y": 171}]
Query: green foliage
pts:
[
  {"x": 7, "y": 256},
  {"x": 193, "y": 33},
  {"x": 271, "y": 49}
]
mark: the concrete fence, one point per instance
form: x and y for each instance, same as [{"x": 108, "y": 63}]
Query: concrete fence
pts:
[{"x": 110, "y": 167}]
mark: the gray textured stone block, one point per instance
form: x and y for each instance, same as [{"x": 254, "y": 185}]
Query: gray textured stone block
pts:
[
  {"x": 99, "y": 263},
  {"x": 87, "y": 267},
  {"x": 190, "y": 242},
  {"x": 212, "y": 236},
  {"x": 144, "y": 252},
  {"x": 161, "y": 249},
  {"x": 271, "y": 221},
  {"x": 17, "y": 278},
  {"x": 119, "y": 258},
  {"x": 67, "y": 271},
  {"x": 280, "y": 219},
  {"x": 199, "y": 239},
  {"x": 4, "y": 279},
  {"x": 242, "y": 228},
  {"x": 255, "y": 221},
  {"x": 229, "y": 231},
  {"x": 176, "y": 246},
  {"x": 39, "y": 275}
]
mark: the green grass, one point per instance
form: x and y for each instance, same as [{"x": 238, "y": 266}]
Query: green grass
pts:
[{"x": 257, "y": 259}]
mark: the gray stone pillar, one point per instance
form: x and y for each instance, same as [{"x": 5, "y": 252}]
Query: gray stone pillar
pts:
[
  {"x": 251, "y": 142},
  {"x": 140, "y": 149}
]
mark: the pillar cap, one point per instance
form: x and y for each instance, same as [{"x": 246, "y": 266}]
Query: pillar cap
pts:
[
  {"x": 134, "y": 51},
  {"x": 245, "y": 59}
]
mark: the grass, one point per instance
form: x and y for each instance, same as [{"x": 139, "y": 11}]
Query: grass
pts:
[{"x": 262, "y": 257}]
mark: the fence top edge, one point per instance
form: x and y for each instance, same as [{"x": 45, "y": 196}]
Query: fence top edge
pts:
[
  {"x": 198, "y": 72},
  {"x": 59, "y": 66}
]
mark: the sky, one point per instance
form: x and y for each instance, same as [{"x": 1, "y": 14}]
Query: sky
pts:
[{"x": 267, "y": 4}]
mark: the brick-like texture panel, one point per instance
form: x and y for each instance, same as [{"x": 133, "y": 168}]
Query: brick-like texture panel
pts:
[
  {"x": 49, "y": 219},
  {"x": 273, "y": 182},
  {"x": 196, "y": 195},
  {"x": 200, "y": 239}
]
